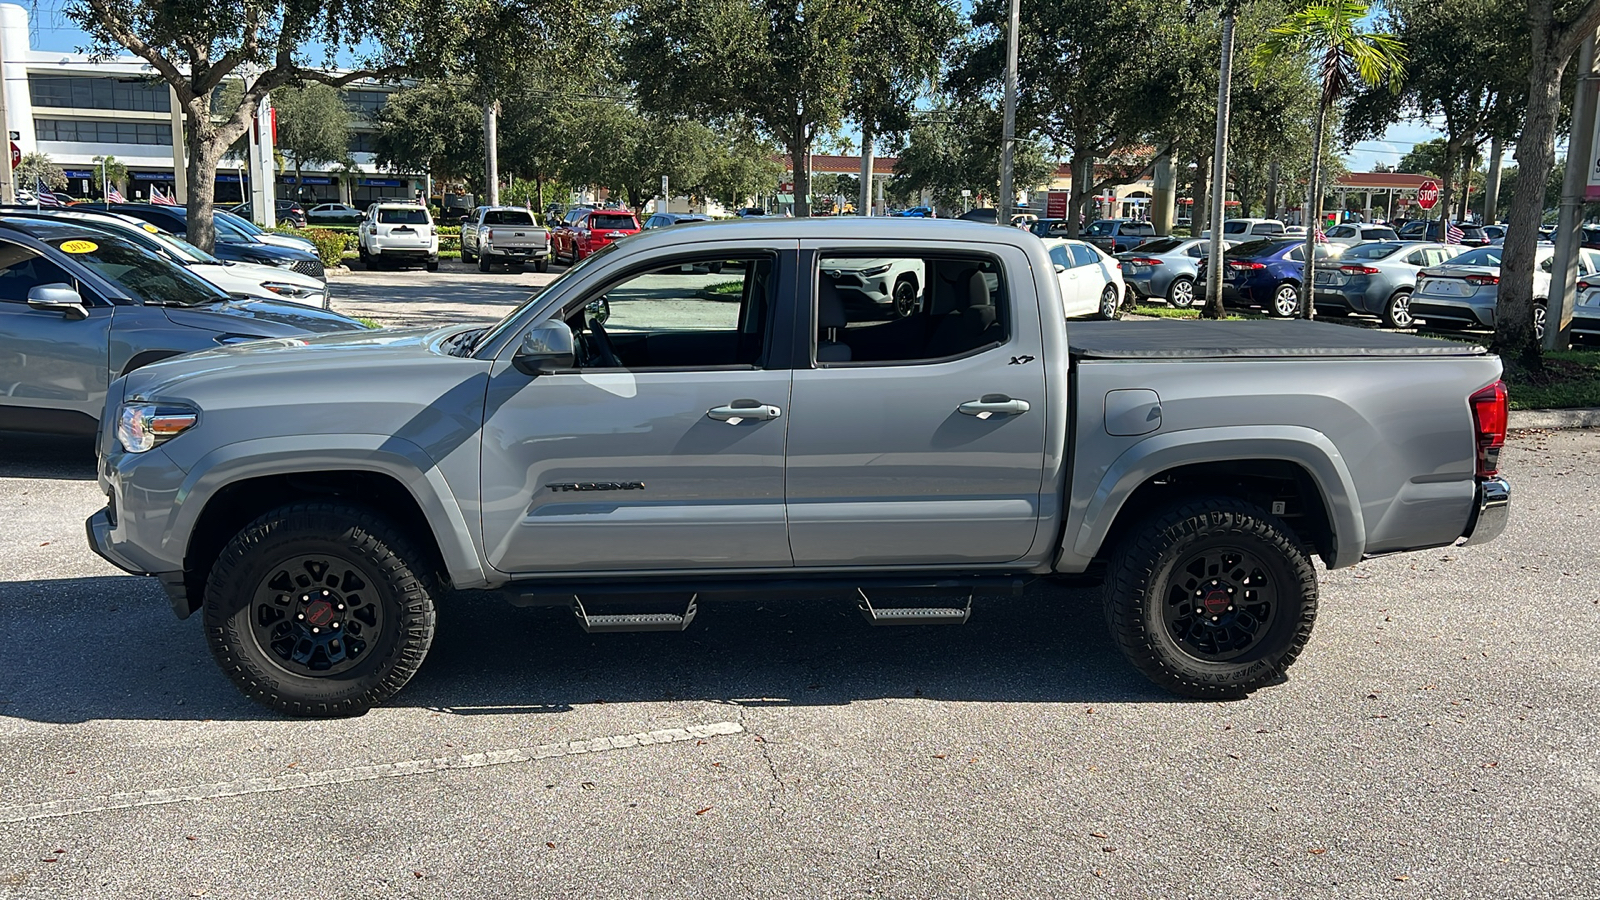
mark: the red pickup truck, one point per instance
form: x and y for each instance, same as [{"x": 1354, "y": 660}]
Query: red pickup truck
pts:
[{"x": 584, "y": 231}]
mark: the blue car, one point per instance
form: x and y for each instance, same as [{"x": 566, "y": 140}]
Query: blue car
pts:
[
  {"x": 233, "y": 243},
  {"x": 915, "y": 212},
  {"x": 1266, "y": 273}
]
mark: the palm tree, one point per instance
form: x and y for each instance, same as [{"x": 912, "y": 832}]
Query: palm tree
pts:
[{"x": 1327, "y": 31}]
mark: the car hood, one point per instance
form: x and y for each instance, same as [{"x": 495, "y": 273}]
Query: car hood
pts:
[
  {"x": 259, "y": 317},
  {"x": 258, "y": 273},
  {"x": 287, "y": 240}
]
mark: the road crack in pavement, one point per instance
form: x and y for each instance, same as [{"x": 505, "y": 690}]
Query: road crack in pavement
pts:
[
  {"x": 772, "y": 765},
  {"x": 54, "y": 809}
]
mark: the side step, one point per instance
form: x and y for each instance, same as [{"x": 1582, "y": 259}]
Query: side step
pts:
[
  {"x": 915, "y": 615},
  {"x": 633, "y": 621}
]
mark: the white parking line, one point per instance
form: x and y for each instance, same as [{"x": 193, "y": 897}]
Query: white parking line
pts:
[{"x": 299, "y": 780}]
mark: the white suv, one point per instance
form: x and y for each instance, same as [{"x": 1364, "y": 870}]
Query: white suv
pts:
[{"x": 398, "y": 233}]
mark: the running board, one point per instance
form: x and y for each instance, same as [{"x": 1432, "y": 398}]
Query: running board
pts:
[
  {"x": 915, "y": 615},
  {"x": 611, "y": 624}
]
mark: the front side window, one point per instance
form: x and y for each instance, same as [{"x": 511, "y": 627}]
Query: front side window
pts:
[
  {"x": 908, "y": 309},
  {"x": 22, "y": 270},
  {"x": 696, "y": 314}
]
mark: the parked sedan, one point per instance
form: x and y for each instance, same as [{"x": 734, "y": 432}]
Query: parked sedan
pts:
[
  {"x": 1091, "y": 283},
  {"x": 1356, "y": 233},
  {"x": 584, "y": 231},
  {"x": 80, "y": 307},
  {"x": 1462, "y": 293},
  {"x": 1165, "y": 268},
  {"x": 1377, "y": 279},
  {"x": 333, "y": 213},
  {"x": 1586, "y": 312},
  {"x": 236, "y": 279},
  {"x": 1266, "y": 273}
]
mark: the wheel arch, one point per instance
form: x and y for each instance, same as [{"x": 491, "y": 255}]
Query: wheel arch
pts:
[
  {"x": 1298, "y": 465},
  {"x": 235, "y": 484}
]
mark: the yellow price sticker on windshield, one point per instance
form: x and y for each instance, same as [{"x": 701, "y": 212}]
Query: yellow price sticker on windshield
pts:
[
  {"x": 79, "y": 247},
  {"x": 151, "y": 228}
]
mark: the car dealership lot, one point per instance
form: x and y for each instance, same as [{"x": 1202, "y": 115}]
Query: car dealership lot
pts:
[{"x": 1439, "y": 737}]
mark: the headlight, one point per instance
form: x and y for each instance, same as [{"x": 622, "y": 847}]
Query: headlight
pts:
[
  {"x": 875, "y": 270},
  {"x": 142, "y": 426},
  {"x": 276, "y": 261},
  {"x": 289, "y": 290}
]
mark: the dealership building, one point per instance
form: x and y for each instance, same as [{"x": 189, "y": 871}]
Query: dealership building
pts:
[{"x": 73, "y": 109}]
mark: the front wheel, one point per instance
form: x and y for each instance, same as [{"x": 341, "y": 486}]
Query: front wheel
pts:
[
  {"x": 319, "y": 609},
  {"x": 1110, "y": 303},
  {"x": 905, "y": 297},
  {"x": 1181, "y": 292},
  {"x": 1285, "y": 301},
  {"x": 1212, "y": 599},
  {"x": 466, "y": 255},
  {"x": 1397, "y": 312}
]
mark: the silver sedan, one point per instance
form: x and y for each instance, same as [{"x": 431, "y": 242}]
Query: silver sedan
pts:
[
  {"x": 1377, "y": 279},
  {"x": 1165, "y": 268}
]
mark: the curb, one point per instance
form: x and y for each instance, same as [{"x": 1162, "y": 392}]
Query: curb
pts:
[
  {"x": 335, "y": 271},
  {"x": 1528, "y": 419}
]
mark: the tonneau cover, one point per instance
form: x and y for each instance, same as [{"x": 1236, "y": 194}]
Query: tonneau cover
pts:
[{"x": 1250, "y": 339}]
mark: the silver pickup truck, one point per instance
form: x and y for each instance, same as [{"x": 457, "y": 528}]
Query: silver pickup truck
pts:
[
  {"x": 504, "y": 234},
  {"x": 698, "y": 414}
]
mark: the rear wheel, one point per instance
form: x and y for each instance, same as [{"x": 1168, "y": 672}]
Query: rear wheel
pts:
[
  {"x": 1110, "y": 303},
  {"x": 1213, "y": 598},
  {"x": 1397, "y": 312},
  {"x": 1181, "y": 292},
  {"x": 466, "y": 255},
  {"x": 543, "y": 265},
  {"x": 319, "y": 609},
  {"x": 1285, "y": 301},
  {"x": 433, "y": 265},
  {"x": 483, "y": 263}
]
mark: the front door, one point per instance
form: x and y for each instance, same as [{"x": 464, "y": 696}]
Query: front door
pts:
[
  {"x": 663, "y": 449},
  {"x": 919, "y": 441},
  {"x": 53, "y": 369}
]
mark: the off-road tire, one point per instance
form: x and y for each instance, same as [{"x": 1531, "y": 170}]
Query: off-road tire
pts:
[
  {"x": 543, "y": 265},
  {"x": 1145, "y": 590},
  {"x": 389, "y": 565},
  {"x": 484, "y": 265}
]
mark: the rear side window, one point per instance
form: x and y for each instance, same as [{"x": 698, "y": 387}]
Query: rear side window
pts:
[
  {"x": 907, "y": 309},
  {"x": 508, "y": 217},
  {"x": 1142, "y": 229},
  {"x": 403, "y": 216},
  {"x": 1083, "y": 254}
]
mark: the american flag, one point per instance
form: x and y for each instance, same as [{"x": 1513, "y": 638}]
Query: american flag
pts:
[
  {"x": 1452, "y": 234},
  {"x": 114, "y": 196},
  {"x": 160, "y": 199},
  {"x": 42, "y": 195}
]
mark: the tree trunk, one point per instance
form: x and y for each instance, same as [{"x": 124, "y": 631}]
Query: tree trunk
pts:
[
  {"x": 1491, "y": 187},
  {"x": 1272, "y": 189},
  {"x": 1513, "y": 320},
  {"x": 202, "y": 173},
  {"x": 1200, "y": 193},
  {"x": 1308, "y": 305},
  {"x": 1082, "y": 189},
  {"x": 1467, "y": 165},
  {"x": 1446, "y": 190}
]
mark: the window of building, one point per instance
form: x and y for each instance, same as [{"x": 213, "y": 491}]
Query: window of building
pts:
[
  {"x": 103, "y": 132},
  {"x": 908, "y": 308},
  {"x": 700, "y": 313},
  {"x": 365, "y": 103},
  {"x": 363, "y": 142},
  {"x": 90, "y": 92}
]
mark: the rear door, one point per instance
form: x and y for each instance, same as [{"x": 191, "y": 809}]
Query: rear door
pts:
[
  {"x": 1070, "y": 278},
  {"x": 918, "y": 441},
  {"x": 668, "y": 455}
]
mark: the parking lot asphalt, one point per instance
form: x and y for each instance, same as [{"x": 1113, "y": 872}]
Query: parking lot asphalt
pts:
[
  {"x": 1440, "y": 736},
  {"x": 456, "y": 293}
]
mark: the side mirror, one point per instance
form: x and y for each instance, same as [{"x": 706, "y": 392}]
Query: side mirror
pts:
[
  {"x": 546, "y": 348},
  {"x": 1060, "y": 268},
  {"x": 58, "y": 297}
]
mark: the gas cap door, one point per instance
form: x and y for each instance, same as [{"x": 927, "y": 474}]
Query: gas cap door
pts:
[{"x": 1131, "y": 412}]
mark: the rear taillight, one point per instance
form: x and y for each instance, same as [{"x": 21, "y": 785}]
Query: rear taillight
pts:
[
  {"x": 1489, "y": 414},
  {"x": 1358, "y": 270},
  {"x": 1244, "y": 265},
  {"x": 1584, "y": 285},
  {"x": 1483, "y": 280},
  {"x": 1144, "y": 261}
]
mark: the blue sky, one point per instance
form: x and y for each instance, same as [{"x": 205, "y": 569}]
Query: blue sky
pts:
[{"x": 52, "y": 31}]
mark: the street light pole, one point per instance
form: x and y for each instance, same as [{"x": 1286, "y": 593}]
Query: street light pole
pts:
[
  {"x": 1219, "y": 168},
  {"x": 1008, "y": 137}
]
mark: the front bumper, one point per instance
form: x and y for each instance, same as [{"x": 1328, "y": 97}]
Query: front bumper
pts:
[{"x": 1490, "y": 513}]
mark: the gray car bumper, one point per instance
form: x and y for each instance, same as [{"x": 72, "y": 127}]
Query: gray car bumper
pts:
[{"x": 1492, "y": 511}]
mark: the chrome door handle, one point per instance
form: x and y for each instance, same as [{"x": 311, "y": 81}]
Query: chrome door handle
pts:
[
  {"x": 994, "y": 405},
  {"x": 744, "y": 410}
]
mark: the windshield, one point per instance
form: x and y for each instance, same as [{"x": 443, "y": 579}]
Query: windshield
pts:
[
  {"x": 185, "y": 249},
  {"x": 403, "y": 216},
  {"x": 244, "y": 225},
  {"x": 146, "y": 277},
  {"x": 1483, "y": 256},
  {"x": 1235, "y": 227},
  {"x": 508, "y": 217},
  {"x": 1250, "y": 249},
  {"x": 1369, "y": 251},
  {"x": 612, "y": 221},
  {"x": 499, "y": 327}
]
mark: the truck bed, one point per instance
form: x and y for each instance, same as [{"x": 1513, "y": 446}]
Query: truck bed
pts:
[{"x": 1204, "y": 339}]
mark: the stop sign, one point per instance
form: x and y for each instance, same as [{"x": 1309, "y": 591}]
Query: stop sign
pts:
[
  {"x": 16, "y": 155},
  {"x": 1428, "y": 194}
]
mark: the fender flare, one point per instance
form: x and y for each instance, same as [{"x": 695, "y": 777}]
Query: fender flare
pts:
[
  {"x": 1305, "y": 447},
  {"x": 384, "y": 454}
]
